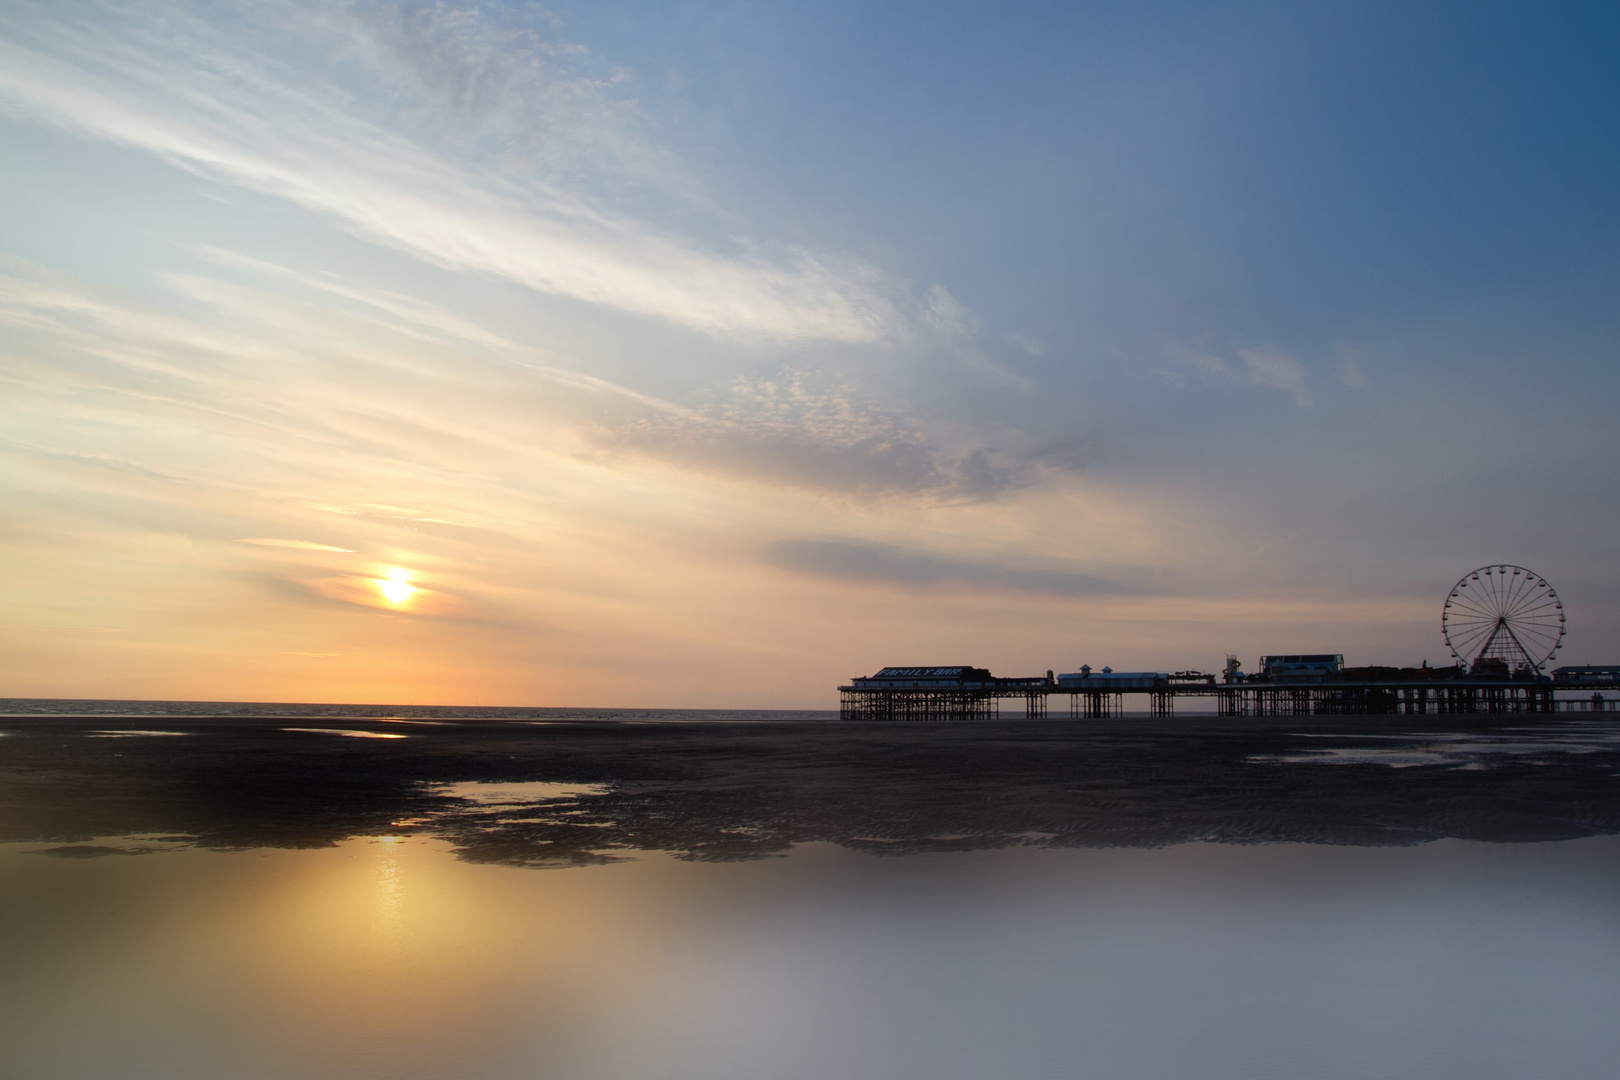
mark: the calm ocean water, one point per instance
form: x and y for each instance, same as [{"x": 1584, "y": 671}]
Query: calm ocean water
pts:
[
  {"x": 261, "y": 710},
  {"x": 257, "y": 892}
]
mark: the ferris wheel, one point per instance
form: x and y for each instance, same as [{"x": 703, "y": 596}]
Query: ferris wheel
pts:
[{"x": 1503, "y": 617}]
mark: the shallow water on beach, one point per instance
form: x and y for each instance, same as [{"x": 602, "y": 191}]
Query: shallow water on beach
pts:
[
  {"x": 204, "y": 896},
  {"x": 390, "y": 958}
]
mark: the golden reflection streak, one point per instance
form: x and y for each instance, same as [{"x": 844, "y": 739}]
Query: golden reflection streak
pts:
[{"x": 388, "y": 921}]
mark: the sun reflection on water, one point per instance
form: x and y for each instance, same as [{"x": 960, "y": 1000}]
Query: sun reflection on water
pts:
[
  {"x": 390, "y": 936},
  {"x": 388, "y": 922}
]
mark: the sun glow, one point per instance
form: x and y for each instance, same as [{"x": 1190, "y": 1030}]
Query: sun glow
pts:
[{"x": 396, "y": 587}]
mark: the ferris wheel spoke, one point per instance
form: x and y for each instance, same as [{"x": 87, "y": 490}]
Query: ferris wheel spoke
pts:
[
  {"x": 1537, "y": 637},
  {"x": 1515, "y": 593},
  {"x": 1467, "y": 619},
  {"x": 1470, "y": 603},
  {"x": 1468, "y": 613},
  {"x": 1469, "y": 626},
  {"x": 1533, "y": 630},
  {"x": 1465, "y": 622},
  {"x": 1498, "y": 588},
  {"x": 1527, "y": 596}
]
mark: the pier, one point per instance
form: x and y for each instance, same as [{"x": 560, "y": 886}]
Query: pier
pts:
[
  {"x": 1502, "y": 624},
  {"x": 968, "y": 693}
]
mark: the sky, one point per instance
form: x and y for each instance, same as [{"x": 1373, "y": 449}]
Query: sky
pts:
[{"x": 708, "y": 353}]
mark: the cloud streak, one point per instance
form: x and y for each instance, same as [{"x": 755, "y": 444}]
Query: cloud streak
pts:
[
  {"x": 183, "y": 92},
  {"x": 300, "y": 545},
  {"x": 419, "y": 318},
  {"x": 801, "y": 431},
  {"x": 1265, "y": 368},
  {"x": 862, "y": 561}
]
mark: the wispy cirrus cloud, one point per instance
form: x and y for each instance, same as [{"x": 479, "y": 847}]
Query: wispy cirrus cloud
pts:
[
  {"x": 386, "y": 385},
  {"x": 212, "y": 102},
  {"x": 1276, "y": 370},
  {"x": 945, "y": 313},
  {"x": 1266, "y": 368},
  {"x": 260, "y": 395},
  {"x": 905, "y": 567},
  {"x": 297, "y": 545},
  {"x": 808, "y": 432},
  {"x": 417, "y": 317}
]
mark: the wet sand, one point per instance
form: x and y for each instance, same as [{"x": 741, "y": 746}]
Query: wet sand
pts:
[{"x": 707, "y": 791}]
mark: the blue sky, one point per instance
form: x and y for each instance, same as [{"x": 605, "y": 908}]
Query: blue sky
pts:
[{"x": 710, "y": 353}]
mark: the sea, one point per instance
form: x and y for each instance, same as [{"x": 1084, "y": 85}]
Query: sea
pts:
[{"x": 238, "y": 891}]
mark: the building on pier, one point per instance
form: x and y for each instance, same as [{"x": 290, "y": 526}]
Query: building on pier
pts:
[
  {"x": 1601, "y": 674},
  {"x": 1301, "y": 667},
  {"x": 1109, "y": 679},
  {"x": 959, "y": 692}
]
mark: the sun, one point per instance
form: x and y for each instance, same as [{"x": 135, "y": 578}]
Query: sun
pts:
[{"x": 396, "y": 587}]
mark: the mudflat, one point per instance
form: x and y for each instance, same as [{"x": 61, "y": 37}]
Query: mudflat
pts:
[{"x": 558, "y": 793}]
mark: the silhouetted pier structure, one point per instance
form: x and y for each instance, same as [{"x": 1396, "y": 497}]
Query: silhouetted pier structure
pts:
[
  {"x": 968, "y": 693},
  {"x": 940, "y": 693},
  {"x": 1502, "y": 623}
]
